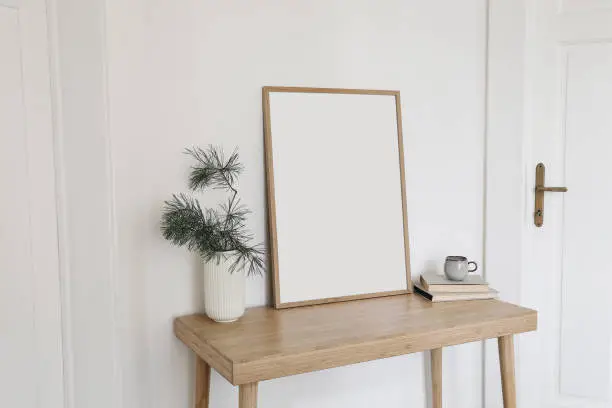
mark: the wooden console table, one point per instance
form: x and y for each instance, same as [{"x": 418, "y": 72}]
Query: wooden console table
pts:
[{"x": 268, "y": 343}]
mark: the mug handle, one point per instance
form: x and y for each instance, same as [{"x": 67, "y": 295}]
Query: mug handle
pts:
[{"x": 475, "y": 266}]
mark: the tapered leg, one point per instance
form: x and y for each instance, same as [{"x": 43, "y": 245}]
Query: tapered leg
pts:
[
  {"x": 248, "y": 396},
  {"x": 436, "y": 378},
  {"x": 506, "y": 364},
  {"x": 202, "y": 385}
]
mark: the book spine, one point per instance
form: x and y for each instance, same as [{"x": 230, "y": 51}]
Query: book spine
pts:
[{"x": 423, "y": 293}]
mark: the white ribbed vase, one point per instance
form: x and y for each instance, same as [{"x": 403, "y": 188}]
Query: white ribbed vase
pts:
[{"x": 224, "y": 291}]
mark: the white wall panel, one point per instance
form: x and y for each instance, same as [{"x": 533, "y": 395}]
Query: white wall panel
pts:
[
  {"x": 85, "y": 198},
  {"x": 586, "y": 306}
]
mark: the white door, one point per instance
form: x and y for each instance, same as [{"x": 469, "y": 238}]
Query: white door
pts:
[
  {"x": 31, "y": 374},
  {"x": 567, "y": 273}
]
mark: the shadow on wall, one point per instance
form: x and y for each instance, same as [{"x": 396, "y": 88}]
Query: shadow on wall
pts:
[{"x": 198, "y": 282}]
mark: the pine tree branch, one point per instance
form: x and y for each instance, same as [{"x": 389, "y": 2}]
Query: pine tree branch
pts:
[{"x": 212, "y": 233}]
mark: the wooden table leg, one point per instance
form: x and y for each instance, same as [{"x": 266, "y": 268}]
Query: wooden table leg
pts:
[
  {"x": 248, "y": 396},
  {"x": 202, "y": 384},
  {"x": 506, "y": 364},
  {"x": 436, "y": 378}
]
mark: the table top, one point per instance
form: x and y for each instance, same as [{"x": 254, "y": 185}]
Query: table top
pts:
[{"x": 267, "y": 343}]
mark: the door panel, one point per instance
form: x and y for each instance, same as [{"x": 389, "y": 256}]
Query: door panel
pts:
[
  {"x": 566, "y": 276},
  {"x": 585, "y": 303}
]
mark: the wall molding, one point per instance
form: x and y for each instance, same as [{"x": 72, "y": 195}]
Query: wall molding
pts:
[
  {"x": 85, "y": 202},
  {"x": 64, "y": 270},
  {"x": 47, "y": 375},
  {"x": 113, "y": 248},
  {"x": 504, "y": 175}
]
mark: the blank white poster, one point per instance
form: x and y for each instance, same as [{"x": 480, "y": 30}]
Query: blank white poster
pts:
[{"x": 338, "y": 196}]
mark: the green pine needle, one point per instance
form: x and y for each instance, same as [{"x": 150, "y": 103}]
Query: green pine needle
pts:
[{"x": 213, "y": 232}]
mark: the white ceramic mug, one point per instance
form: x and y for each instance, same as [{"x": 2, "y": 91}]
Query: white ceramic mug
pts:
[{"x": 456, "y": 268}]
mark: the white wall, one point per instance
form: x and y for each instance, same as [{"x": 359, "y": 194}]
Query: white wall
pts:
[{"x": 190, "y": 73}]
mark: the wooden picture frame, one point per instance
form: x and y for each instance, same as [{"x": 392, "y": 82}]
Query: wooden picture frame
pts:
[{"x": 279, "y": 303}]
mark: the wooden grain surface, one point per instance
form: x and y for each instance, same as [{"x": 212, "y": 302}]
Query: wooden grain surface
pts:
[
  {"x": 202, "y": 385},
  {"x": 506, "y": 365},
  {"x": 202, "y": 348},
  {"x": 400, "y": 145},
  {"x": 270, "y": 196},
  {"x": 247, "y": 396},
  {"x": 436, "y": 378},
  {"x": 329, "y": 90},
  {"x": 267, "y": 343}
]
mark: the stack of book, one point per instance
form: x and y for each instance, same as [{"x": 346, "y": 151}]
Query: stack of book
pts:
[{"x": 438, "y": 288}]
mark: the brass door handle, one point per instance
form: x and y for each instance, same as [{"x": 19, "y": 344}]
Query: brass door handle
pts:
[
  {"x": 553, "y": 189},
  {"x": 540, "y": 189}
]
